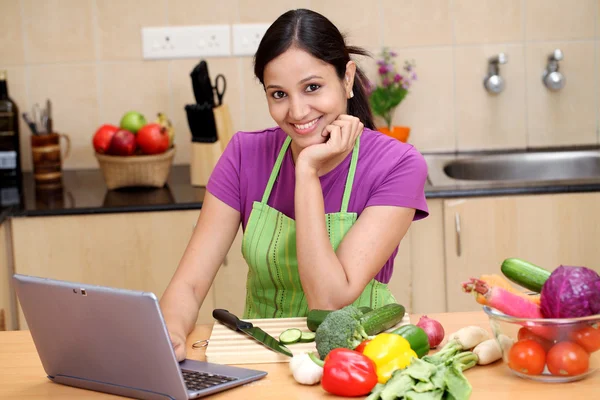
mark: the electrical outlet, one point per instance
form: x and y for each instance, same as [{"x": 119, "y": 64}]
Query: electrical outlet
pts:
[
  {"x": 247, "y": 37},
  {"x": 186, "y": 41}
]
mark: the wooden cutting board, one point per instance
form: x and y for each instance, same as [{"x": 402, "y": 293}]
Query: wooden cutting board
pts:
[{"x": 226, "y": 346}]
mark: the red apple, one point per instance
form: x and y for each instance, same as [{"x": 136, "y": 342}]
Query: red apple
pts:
[
  {"x": 103, "y": 136},
  {"x": 122, "y": 144},
  {"x": 153, "y": 139}
]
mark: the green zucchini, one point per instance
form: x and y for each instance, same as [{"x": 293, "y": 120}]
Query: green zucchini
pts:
[
  {"x": 525, "y": 274},
  {"x": 316, "y": 317},
  {"x": 416, "y": 337},
  {"x": 382, "y": 319},
  {"x": 307, "y": 337}
]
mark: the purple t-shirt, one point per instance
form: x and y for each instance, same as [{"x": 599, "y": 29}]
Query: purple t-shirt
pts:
[{"x": 388, "y": 173}]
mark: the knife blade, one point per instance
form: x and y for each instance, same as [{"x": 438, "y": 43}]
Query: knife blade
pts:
[{"x": 233, "y": 322}]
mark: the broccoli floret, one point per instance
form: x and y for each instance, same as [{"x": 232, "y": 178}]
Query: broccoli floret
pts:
[{"x": 341, "y": 328}]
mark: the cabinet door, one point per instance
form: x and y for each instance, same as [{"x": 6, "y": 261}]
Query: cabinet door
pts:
[
  {"x": 138, "y": 251},
  {"x": 7, "y": 300},
  {"x": 230, "y": 283},
  {"x": 547, "y": 230}
]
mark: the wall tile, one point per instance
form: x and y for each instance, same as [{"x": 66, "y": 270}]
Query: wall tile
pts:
[
  {"x": 73, "y": 92},
  {"x": 488, "y": 21},
  {"x": 359, "y": 21},
  {"x": 429, "y": 106},
  {"x": 568, "y": 116},
  {"x": 416, "y": 23},
  {"x": 484, "y": 120},
  {"x": 560, "y": 19},
  {"x": 267, "y": 11},
  {"x": 139, "y": 86},
  {"x": 17, "y": 91},
  {"x": 11, "y": 34},
  {"x": 58, "y": 31},
  {"x": 199, "y": 12},
  {"x": 182, "y": 94},
  {"x": 255, "y": 106},
  {"x": 120, "y": 26}
]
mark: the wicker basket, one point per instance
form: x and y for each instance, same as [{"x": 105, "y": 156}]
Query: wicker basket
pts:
[{"x": 138, "y": 170}]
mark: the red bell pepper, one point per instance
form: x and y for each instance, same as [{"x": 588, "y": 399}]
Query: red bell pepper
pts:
[
  {"x": 361, "y": 346},
  {"x": 348, "y": 373}
]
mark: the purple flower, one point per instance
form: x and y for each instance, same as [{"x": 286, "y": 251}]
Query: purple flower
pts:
[
  {"x": 393, "y": 53},
  {"x": 397, "y": 78},
  {"x": 383, "y": 69},
  {"x": 386, "y": 82},
  {"x": 380, "y": 62},
  {"x": 405, "y": 85},
  {"x": 414, "y": 76}
]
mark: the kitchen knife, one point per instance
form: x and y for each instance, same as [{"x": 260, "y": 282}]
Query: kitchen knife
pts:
[{"x": 233, "y": 322}]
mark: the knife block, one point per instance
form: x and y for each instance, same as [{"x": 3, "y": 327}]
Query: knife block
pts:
[{"x": 205, "y": 155}]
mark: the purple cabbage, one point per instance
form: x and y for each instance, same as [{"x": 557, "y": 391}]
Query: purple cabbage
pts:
[{"x": 571, "y": 292}]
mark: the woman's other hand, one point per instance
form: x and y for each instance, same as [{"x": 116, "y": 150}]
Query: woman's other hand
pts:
[
  {"x": 178, "y": 343},
  {"x": 341, "y": 133}
]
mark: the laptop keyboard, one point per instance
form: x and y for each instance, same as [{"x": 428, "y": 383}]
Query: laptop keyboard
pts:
[{"x": 202, "y": 380}]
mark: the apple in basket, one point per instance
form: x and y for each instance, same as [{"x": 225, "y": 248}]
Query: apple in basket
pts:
[
  {"x": 103, "y": 137},
  {"x": 123, "y": 143}
]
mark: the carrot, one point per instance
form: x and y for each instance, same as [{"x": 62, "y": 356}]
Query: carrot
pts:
[
  {"x": 499, "y": 281},
  {"x": 502, "y": 299}
]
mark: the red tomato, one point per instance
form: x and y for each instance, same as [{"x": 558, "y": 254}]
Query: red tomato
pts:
[
  {"x": 361, "y": 346},
  {"x": 525, "y": 333},
  {"x": 588, "y": 338},
  {"x": 527, "y": 356},
  {"x": 568, "y": 358}
]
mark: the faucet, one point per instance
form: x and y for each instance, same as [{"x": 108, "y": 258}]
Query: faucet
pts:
[
  {"x": 552, "y": 78},
  {"x": 493, "y": 82}
]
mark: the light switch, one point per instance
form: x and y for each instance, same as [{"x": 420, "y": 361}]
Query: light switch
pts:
[
  {"x": 170, "y": 42},
  {"x": 247, "y": 37}
]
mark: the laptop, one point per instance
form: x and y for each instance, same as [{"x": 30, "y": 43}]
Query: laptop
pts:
[{"x": 114, "y": 341}]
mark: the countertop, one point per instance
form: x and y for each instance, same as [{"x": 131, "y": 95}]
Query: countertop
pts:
[
  {"x": 84, "y": 192},
  {"x": 22, "y": 375}
]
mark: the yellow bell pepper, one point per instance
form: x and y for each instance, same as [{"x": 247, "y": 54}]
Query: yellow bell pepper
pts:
[{"x": 389, "y": 352}]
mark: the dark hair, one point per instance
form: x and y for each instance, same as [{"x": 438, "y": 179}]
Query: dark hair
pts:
[{"x": 315, "y": 34}]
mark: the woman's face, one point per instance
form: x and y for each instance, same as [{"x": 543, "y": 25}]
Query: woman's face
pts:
[{"x": 305, "y": 95}]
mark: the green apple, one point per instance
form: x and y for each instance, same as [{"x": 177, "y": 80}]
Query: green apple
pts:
[{"x": 132, "y": 121}]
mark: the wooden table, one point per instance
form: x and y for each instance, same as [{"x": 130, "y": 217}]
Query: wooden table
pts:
[{"x": 22, "y": 375}]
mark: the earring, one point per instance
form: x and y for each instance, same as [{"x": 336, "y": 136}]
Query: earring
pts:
[{"x": 351, "y": 93}]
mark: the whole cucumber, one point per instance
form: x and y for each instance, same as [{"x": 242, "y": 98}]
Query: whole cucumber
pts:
[{"x": 525, "y": 274}]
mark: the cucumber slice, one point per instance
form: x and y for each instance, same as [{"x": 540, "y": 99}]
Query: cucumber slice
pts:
[
  {"x": 307, "y": 337},
  {"x": 290, "y": 336}
]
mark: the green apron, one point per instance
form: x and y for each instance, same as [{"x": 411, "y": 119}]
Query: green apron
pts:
[{"x": 273, "y": 287}]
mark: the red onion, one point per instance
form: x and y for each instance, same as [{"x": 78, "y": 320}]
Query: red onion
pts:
[{"x": 433, "y": 329}]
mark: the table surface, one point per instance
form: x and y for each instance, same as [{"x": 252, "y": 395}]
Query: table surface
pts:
[{"x": 22, "y": 375}]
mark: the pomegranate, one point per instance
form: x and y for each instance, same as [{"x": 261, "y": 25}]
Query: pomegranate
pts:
[
  {"x": 153, "y": 139},
  {"x": 123, "y": 143},
  {"x": 103, "y": 137}
]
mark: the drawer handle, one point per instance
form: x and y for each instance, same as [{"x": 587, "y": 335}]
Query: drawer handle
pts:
[{"x": 457, "y": 227}]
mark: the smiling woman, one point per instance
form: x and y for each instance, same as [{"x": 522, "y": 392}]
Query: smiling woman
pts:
[{"x": 324, "y": 200}]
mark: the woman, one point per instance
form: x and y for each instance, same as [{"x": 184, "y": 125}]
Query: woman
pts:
[{"x": 323, "y": 199}]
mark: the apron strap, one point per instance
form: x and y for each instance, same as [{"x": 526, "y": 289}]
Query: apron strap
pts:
[
  {"x": 275, "y": 170},
  {"x": 350, "y": 178}
]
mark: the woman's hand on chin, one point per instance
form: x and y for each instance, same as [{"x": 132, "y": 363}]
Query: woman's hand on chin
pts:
[{"x": 341, "y": 136}]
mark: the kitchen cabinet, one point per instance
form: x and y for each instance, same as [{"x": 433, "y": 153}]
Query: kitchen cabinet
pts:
[
  {"x": 547, "y": 230},
  {"x": 7, "y": 300},
  {"x": 138, "y": 251}
]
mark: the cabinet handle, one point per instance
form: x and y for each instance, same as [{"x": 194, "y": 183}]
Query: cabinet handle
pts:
[{"x": 457, "y": 227}]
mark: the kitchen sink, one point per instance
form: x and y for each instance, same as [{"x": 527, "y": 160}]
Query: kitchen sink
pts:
[{"x": 514, "y": 167}]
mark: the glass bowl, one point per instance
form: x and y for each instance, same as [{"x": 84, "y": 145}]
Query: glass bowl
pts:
[{"x": 548, "y": 350}]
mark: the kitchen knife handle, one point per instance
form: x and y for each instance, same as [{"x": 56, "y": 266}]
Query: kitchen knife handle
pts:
[{"x": 230, "y": 320}]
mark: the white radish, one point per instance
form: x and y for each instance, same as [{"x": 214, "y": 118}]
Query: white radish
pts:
[
  {"x": 488, "y": 352},
  {"x": 469, "y": 336}
]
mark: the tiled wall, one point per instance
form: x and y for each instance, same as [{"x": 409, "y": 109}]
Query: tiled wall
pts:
[{"x": 86, "y": 56}]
